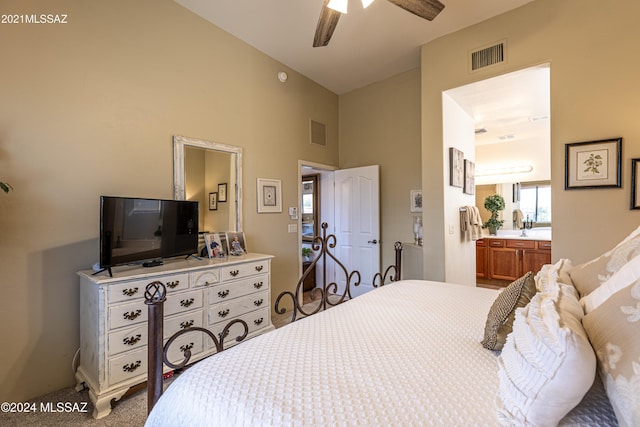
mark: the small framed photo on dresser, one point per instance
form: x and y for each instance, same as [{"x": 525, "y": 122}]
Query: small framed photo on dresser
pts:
[{"x": 236, "y": 242}]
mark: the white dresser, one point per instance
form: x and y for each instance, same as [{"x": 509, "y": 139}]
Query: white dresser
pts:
[{"x": 206, "y": 293}]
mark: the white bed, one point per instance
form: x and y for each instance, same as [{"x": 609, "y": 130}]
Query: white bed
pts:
[{"x": 408, "y": 353}]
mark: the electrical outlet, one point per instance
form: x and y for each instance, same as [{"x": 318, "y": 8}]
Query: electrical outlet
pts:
[{"x": 451, "y": 229}]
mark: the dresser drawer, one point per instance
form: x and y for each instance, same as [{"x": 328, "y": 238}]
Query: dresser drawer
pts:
[
  {"x": 225, "y": 311},
  {"x": 129, "y": 291},
  {"x": 521, "y": 244},
  {"x": 243, "y": 270},
  {"x": 129, "y": 365},
  {"x": 230, "y": 290},
  {"x": 192, "y": 341},
  {"x": 255, "y": 320},
  {"x": 127, "y": 339},
  {"x": 137, "y": 336},
  {"x": 127, "y": 314},
  {"x": 183, "y": 301},
  {"x": 205, "y": 278},
  {"x": 174, "y": 324}
]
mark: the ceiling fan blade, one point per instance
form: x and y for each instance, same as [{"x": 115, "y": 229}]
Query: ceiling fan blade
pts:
[
  {"x": 326, "y": 25},
  {"x": 427, "y": 9}
]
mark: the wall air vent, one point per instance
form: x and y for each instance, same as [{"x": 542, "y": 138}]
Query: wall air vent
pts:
[
  {"x": 318, "y": 133},
  {"x": 487, "y": 56}
]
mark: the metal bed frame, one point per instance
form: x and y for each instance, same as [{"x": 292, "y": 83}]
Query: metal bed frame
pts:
[{"x": 328, "y": 296}]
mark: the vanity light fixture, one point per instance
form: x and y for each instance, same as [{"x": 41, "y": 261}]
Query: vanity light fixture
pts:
[{"x": 503, "y": 170}]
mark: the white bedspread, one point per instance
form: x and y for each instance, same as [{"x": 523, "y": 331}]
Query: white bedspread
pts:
[{"x": 408, "y": 353}]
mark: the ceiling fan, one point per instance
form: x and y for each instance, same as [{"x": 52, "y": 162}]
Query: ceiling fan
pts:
[{"x": 332, "y": 9}]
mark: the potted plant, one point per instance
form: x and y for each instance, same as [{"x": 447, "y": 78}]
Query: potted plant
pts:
[
  {"x": 495, "y": 205},
  {"x": 306, "y": 253}
]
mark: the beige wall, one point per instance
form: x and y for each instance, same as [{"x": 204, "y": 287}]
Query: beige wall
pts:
[
  {"x": 594, "y": 93},
  {"x": 380, "y": 124},
  {"x": 90, "y": 108}
]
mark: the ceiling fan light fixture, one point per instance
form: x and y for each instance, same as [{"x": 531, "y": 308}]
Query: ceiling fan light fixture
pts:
[
  {"x": 338, "y": 5},
  {"x": 366, "y": 3}
]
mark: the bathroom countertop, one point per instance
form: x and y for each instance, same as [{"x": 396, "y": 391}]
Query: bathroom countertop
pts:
[{"x": 517, "y": 234}]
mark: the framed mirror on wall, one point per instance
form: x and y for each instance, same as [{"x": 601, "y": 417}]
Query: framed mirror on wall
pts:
[{"x": 202, "y": 167}]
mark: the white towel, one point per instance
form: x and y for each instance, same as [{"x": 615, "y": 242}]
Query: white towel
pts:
[
  {"x": 518, "y": 216},
  {"x": 471, "y": 223}
]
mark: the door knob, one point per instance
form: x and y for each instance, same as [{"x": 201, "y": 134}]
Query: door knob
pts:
[{"x": 374, "y": 241}]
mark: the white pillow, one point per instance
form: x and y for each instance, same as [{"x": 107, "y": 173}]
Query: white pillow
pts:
[
  {"x": 628, "y": 274},
  {"x": 547, "y": 364},
  {"x": 551, "y": 274},
  {"x": 590, "y": 275}
]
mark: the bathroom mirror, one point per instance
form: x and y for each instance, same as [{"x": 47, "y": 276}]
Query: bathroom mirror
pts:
[{"x": 210, "y": 173}]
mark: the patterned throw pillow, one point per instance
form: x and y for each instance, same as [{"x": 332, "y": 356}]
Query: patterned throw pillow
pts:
[
  {"x": 614, "y": 331},
  {"x": 588, "y": 276},
  {"x": 502, "y": 312}
]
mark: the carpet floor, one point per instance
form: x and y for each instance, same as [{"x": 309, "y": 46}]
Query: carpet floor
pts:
[{"x": 130, "y": 411}]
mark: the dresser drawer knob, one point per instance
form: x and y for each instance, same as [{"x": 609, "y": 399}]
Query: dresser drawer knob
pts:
[
  {"x": 186, "y": 347},
  {"x": 234, "y": 273},
  {"x": 259, "y": 302},
  {"x": 173, "y": 284},
  {"x": 223, "y": 313},
  {"x": 132, "y": 315},
  {"x": 258, "y": 321},
  {"x": 130, "y": 292},
  {"x": 258, "y": 285},
  {"x": 259, "y": 267},
  {"x": 223, "y": 294},
  {"x": 132, "y": 366},
  {"x": 131, "y": 340},
  {"x": 186, "y": 302},
  {"x": 185, "y": 325}
]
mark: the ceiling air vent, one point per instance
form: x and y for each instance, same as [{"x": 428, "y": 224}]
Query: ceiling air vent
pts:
[
  {"x": 487, "y": 56},
  {"x": 318, "y": 133}
]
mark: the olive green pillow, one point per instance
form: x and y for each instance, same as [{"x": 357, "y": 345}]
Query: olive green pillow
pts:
[{"x": 503, "y": 311}]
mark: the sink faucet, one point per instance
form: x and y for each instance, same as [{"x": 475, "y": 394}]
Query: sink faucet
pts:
[{"x": 527, "y": 224}]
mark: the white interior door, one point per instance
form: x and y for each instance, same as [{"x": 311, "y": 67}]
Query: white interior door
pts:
[{"x": 357, "y": 224}]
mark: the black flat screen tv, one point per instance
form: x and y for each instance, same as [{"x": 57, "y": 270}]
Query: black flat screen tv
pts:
[{"x": 144, "y": 231}]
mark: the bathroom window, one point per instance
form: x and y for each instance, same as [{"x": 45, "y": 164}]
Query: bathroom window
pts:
[{"x": 535, "y": 201}]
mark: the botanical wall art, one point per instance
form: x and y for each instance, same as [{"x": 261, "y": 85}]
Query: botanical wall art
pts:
[{"x": 593, "y": 164}]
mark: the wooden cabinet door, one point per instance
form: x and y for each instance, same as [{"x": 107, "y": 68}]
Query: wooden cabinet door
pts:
[
  {"x": 533, "y": 260},
  {"x": 482, "y": 260},
  {"x": 504, "y": 263}
]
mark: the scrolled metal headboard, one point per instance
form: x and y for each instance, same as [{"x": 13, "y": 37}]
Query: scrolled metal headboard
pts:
[{"x": 328, "y": 294}]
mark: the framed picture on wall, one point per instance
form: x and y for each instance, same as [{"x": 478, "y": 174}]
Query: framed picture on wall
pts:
[
  {"x": 593, "y": 164},
  {"x": 416, "y": 200},
  {"x": 213, "y": 201},
  {"x": 635, "y": 183},
  {"x": 456, "y": 167},
  {"x": 269, "y": 195},
  {"x": 469, "y": 177},
  {"x": 222, "y": 192}
]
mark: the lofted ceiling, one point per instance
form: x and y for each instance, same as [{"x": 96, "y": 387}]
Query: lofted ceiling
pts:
[
  {"x": 368, "y": 45},
  {"x": 373, "y": 44}
]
